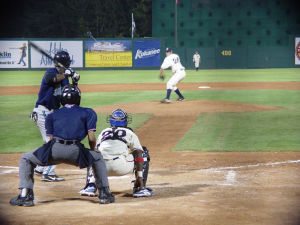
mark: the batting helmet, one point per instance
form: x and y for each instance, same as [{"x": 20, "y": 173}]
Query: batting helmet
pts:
[
  {"x": 119, "y": 118},
  {"x": 70, "y": 95},
  {"x": 62, "y": 57}
]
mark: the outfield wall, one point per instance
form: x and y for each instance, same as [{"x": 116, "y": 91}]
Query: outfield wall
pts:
[{"x": 17, "y": 54}]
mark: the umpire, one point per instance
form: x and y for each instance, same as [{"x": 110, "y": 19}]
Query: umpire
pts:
[{"x": 66, "y": 127}]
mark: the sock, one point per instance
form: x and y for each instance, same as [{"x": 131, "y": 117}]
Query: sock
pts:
[
  {"x": 178, "y": 93},
  {"x": 24, "y": 192},
  {"x": 168, "y": 93}
]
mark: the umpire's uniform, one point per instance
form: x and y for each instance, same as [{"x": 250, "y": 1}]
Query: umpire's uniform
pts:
[{"x": 68, "y": 126}]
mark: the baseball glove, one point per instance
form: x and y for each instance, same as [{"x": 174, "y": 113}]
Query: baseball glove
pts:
[{"x": 162, "y": 77}]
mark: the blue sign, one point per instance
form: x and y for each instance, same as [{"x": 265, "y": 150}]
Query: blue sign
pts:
[{"x": 146, "y": 53}]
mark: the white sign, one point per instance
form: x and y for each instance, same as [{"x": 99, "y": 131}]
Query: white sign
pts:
[
  {"x": 74, "y": 48},
  {"x": 297, "y": 51},
  {"x": 13, "y": 54}
]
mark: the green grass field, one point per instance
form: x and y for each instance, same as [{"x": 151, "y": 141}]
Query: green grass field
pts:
[{"x": 257, "y": 131}]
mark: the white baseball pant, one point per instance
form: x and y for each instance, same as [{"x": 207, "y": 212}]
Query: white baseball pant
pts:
[
  {"x": 42, "y": 113},
  {"x": 175, "y": 79}
]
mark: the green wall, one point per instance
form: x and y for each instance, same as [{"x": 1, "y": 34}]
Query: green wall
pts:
[{"x": 256, "y": 33}]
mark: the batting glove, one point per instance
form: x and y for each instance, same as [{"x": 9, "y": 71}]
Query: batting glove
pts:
[
  {"x": 33, "y": 116},
  {"x": 69, "y": 72},
  {"x": 76, "y": 76}
]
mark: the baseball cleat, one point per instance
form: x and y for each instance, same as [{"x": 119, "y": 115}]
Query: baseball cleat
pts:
[
  {"x": 90, "y": 191},
  {"x": 51, "y": 178},
  {"x": 147, "y": 192},
  {"x": 179, "y": 99},
  {"x": 165, "y": 100},
  {"x": 39, "y": 173},
  {"x": 23, "y": 201}
]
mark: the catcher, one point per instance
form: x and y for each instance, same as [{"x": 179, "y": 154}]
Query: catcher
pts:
[{"x": 113, "y": 143}]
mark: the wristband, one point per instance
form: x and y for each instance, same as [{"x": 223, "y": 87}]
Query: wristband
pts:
[
  {"x": 139, "y": 173},
  {"x": 139, "y": 159}
]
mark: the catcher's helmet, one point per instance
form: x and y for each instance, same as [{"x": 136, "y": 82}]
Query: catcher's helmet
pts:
[
  {"x": 70, "y": 95},
  {"x": 119, "y": 118},
  {"x": 62, "y": 57}
]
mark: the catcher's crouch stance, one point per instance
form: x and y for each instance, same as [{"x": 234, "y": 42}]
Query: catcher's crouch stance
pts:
[{"x": 122, "y": 153}]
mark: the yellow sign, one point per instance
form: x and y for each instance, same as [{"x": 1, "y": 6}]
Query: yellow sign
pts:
[
  {"x": 226, "y": 52},
  {"x": 108, "y": 59}
]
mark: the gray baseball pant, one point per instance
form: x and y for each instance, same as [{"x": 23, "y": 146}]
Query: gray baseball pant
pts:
[{"x": 61, "y": 153}]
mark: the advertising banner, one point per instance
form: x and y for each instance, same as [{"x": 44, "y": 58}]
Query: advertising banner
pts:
[
  {"x": 147, "y": 53},
  {"x": 297, "y": 51},
  {"x": 74, "y": 48},
  {"x": 108, "y": 53},
  {"x": 13, "y": 54}
]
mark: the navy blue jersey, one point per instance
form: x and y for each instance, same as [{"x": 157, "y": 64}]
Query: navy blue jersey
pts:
[
  {"x": 49, "y": 94},
  {"x": 71, "y": 122}
]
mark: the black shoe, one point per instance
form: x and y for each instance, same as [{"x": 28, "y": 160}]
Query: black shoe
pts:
[
  {"x": 51, "y": 178},
  {"x": 180, "y": 99},
  {"x": 23, "y": 201},
  {"x": 105, "y": 196}
]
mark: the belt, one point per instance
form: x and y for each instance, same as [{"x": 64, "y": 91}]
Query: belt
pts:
[{"x": 66, "y": 142}]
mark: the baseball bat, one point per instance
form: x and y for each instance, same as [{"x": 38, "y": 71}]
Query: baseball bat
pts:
[{"x": 43, "y": 52}]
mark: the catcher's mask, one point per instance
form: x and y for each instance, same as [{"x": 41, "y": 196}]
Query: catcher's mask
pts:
[
  {"x": 70, "y": 95},
  {"x": 62, "y": 57},
  {"x": 119, "y": 118}
]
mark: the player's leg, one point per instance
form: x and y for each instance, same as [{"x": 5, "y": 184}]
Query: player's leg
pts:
[
  {"x": 26, "y": 166},
  {"x": 118, "y": 166},
  {"x": 169, "y": 85},
  {"x": 177, "y": 78},
  {"x": 47, "y": 172},
  {"x": 146, "y": 192},
  {"x": 90, "y": 186},
  {"x": 101, "y": 180}
]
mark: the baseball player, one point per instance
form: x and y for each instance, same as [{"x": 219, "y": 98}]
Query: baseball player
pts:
[
  {"x": 66, "y": 127},
  {"x": 49, "y": 100},
  {"x": 196, "y": 60},
  {"x": 123, "y": 154},
  {"x": 178, "y": 73}
]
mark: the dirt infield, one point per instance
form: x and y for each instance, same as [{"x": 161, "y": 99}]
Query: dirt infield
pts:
[
  {"x": 190, "y": 187},
  {"x": 25, "y": 90}
]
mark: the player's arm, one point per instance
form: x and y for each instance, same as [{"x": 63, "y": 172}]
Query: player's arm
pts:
[
  {"x": 91, "y": 127},
  {"x": 53, "y": 78},
  {"x": 49, "y": 126},
  {"x": 92, "y": 139}
]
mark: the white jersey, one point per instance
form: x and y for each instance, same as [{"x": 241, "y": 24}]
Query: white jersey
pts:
[
  {"x": 172, "y": 61},
  {"x": 196, "y": 58},
  {"x": 114, "y": 142}
]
